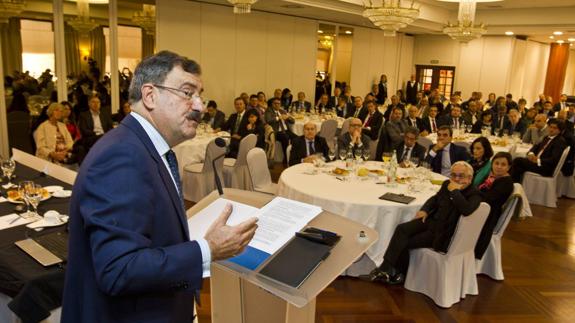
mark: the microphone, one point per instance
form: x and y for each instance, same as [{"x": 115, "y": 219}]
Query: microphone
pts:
[{"x": 220, "y": 143}]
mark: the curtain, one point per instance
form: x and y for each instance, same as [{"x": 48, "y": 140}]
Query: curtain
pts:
[
  {"x": 11, "y": 46},
  {"x": 98, "y": 47},
  {"x": 72, "y": 50},
  {"x": 147, "y": 44},
  {"x": 556, "y": 70}
]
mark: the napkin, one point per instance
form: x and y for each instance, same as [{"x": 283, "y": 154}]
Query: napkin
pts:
[
  {"x": 3, "y": 199},
  {"x": 9, "y": 185},
  {"x": 13, "y": 220}
]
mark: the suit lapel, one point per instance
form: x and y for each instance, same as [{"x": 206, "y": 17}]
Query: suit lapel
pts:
[{"x": 135, "y": 126}]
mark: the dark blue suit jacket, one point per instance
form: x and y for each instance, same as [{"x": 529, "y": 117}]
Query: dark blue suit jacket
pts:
[
  {"x": 456, "y": 153},
  {"x": 130, "y": 258}
]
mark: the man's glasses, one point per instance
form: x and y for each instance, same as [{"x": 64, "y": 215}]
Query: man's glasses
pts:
[
  {"x": 190, "y": 95},
  {"x": 458, "y": 175}
]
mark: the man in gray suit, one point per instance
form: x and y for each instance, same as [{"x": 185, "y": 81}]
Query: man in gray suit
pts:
[
  {"x": 537, "y": 131},
  {"x": 395, "y": 128}
]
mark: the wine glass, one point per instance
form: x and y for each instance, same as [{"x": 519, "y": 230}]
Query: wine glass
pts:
[
  {"x": 33, "y": 193},
  {"x": 342, "y": 154},
  {"x": 386, "y": 157},
  {"x": 414, "y": 161},
  {"x": 366, "y": 154},
  {"x": 468, "y": 128},
  {"x": 331, "y": 154},
  {"x": 22, "y": 192},
  {"x": 8, "y": 167},
  {"x": 358, "y": 153}
]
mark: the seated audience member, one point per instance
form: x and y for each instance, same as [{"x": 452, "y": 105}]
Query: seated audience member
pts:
[
  {"x": 93, "y": 124},
  {"x": 306, "y": 148},
  {"x": 509, "y": 102},
  {"x": 277, "y": 95},
  {"x": 472, "y": 115},
  {"x": 430, "y": 122},
  {"x": 413, "y": 120},
  {"x": 301, "y": 105},
  {"x": 529, "y": 118},
  {"x": 394, "y": 104},
  {"x": 255, "y": 126},
  {"x": 491, "y": 100},
  {"x": 562, "y": 104},
  {"x": 444, "y": 154},
  {"x": 53, "y": 141},
  {"x": 69, "y": 120},
  {"x": 433, "y": 226},
  {"x": 372, "y": 120},
  {"x": 500, "y": 120},
  {"x": 393, "y": 130},
  {"x": 495, "y": 190},
  {"x": 358, "y": 107},
  {"x": 343, "y": 108},
  {"x": 409, "y": 149},
  {"x": 332, "y": 102},
  {"x": 323, "y": 105},
  {"x": 280, "y": 122},
  {"x": 124, "y": 110},
  {"x": 354, "y": 138},
  {"x": 544, "y": 156},
  {"x": 515, "y": 124},
  {"x": 253, "y": 102},
  {"x": 454, "y": 119},
  {"x": 522, "y": 106},
  {"x": 481, "y": 153},
  {"x": 286, "y": 98},
  {"x": 548, "y": 109},
  {"x": 536, "y": 131},
  {"x": 568, "y": 166},
  {"x": 262, "y": 100},
  {"x": 423, "y": 107},
  {"x": 214, "y": 117},
  {"x": 485, "y": 122},
  {"x": 568, "y": 125},
  {"x": 236, "y": 126},
  {"x": 246, "y": 98}
]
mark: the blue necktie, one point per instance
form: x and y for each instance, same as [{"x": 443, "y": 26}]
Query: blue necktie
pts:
[{"x": 173, "y": 163}]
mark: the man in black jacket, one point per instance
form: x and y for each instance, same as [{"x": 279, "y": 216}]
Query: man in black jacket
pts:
[
  {"x": 542, "y": 157},
  {"x": 305, "y": 149},
  {"x": 215, "y": 118},
  {"x": 444, "y": 153},
  {"x": 433, "y": 226},
  {"x": 236, "y": 126}
]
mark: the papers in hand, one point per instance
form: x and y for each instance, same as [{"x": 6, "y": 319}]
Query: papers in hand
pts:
[{"x": 278, "y": 221}]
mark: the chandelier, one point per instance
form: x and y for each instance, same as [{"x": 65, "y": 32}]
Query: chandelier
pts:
[
  {"x": 82, "y": 23},
  {"x": 242, "y": 6},
  {"x": 10, "y": 8},
  {"x": 465, "y": 30},
  {"x": 146, "y": 19},
  {"x": 390, "y": 15}
]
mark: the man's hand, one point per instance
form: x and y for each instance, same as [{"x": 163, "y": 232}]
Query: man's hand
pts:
[
  {"x": 356, "y": 136},
  {"x": 309, "y": 159},
  {"x": 236, "y": 136},
  {"x": 424, "y": 133},
  {"x": 454, "y": 186},
  {"x": 58, "y": 156},
  {"x": 532, "y": 158},
  {"x": 439, "y": 146},
  {"x": 421, "y": 215},
  {"x": 226, "y": 241}
]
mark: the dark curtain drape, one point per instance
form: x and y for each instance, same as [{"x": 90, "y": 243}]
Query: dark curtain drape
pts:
[
  {"x": 11, "y": 46},
  {"x": 147, "y": 44},
  {"x": 72, "y": 50},
  {"x": 98, "y": 47}
]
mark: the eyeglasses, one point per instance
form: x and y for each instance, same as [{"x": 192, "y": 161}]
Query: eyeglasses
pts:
[
  {"x": 458, "y": 175},
  {"x": 190, "y": 95},
  {"x": 355, "y": 125}
]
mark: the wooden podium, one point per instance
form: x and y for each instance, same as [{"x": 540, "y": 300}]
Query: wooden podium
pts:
[{"x": 239, "y": 295}]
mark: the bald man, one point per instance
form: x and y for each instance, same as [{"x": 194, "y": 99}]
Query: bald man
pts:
[
  {"x": 537, "y": 130},
  {"x": 310, "y": 146}
]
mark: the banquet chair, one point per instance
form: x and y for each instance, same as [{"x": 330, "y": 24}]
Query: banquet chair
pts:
[
  {"x": 425, "y": 142},
  {"x": 566, "y": 186},
  {"x": 446, "y": 278},
  {"x": 373, "y": 149},
  {"x": 345, "y": 126},
  {"x": 270, "y": 139},
  {"x": 328, "y": 131},
  {"x": 490, "y": 264},
  {"x": 288, "y": 152},
  {"x": 61, "y": 173},
  {"x": 198, "y": 178},
  {"x": 236, "y": 173},
  {"x": 542, "y": 190},
  {"x": 259, "y": 172}
]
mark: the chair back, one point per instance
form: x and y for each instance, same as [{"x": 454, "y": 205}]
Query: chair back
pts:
[
  {"x": 561, "y": 162},
  {"x": 328, "y": 131},
  {"x": 425, "y": 142},
  {"x": 212, "y": 152},
  {"x": 510, "y": 209},
  {"x": 258, "y": 168},
  {"x": 29, "y": 160},
  {"x": 373, "y": 149},
  {"x": 288, "y": 152},
  {"x": 468, "y": 230},
  {"x": 246, "y": 144},
  {"x": 513, "y": 150},
  {"x": 345, "y": 126},
  {"x": 270, "y": 142}
]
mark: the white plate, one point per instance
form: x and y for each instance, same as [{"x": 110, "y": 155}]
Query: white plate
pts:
[
  {"x": 19, "y": 201},
  {"x": 43, "y": 223},
  {"x": 62, "y": 194},
  {"x": 53, "y": 188}
]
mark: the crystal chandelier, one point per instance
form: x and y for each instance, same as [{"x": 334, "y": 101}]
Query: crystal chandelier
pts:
[
  {"x": 242, "y": 6},
  {"x": 82, "y": 23},
  {"x": 465, "y": 30},
  {"x": 10, "y": 8},
  {"x": 390, "y": 15},
  {"x": 146, "y": 18}
]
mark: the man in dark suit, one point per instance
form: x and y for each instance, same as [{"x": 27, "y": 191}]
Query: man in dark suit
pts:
[
  {"x": 433, "y": 226},
  {"x": 500, "y": 119},
  {"x": 472, "y": 115},
  {"x": 215, "y": 118},
  {"x": 301, "y": 105},
  {"x": 353, "y": 139},
  {"x": 323, "y": 105},
  {"x": 280, "y": 122},
  {"x": 394, "y": 104},
  {"x": 394, "y": 129},
  {"x": 411, "y": 89},
  {"x": 358, "y": 108},
  {"x": 372, "y": 121},
  {"x": 509, "y": 102},
  {"x": 335, "y": 97},
  {"x": 515, "y": 124},
  {"x": 236, "y": 126},
  {"x": 409, "y": 148},
  {"x": 304, "y": 149},
  {"x": 344, "y": 109},
  {"x": 562, "y": 104},
  {"x": 413, "y": 120},
  {"x": 454, "y": 119},
  {"x": 542, "y": 157},
  {"x": 92, "y": 124},
  {"x": 568, "y": 125},
  {"x": 444, "y": 154},
  {"x": 431, "y": 122},
  {"x": 130, "y": 258}
]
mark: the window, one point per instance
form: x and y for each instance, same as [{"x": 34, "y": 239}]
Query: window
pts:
[
  {"x": 37, "y": 46},
  {"x": 436, "y": 77}
]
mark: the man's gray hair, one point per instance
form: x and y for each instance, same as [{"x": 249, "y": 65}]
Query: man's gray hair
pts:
[
  {"x": 468, "y": 168},
  {"x": 153, "y": 69}
]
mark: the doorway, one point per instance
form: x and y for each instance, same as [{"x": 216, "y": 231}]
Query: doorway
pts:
[{"x": 436, "y": 77}]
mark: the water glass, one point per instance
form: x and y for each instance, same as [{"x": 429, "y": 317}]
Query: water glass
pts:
[
  {"x": 414, "y": 161},
  {"x": 342, "y": 154},
  {"x": 366, "y": 154},
  {"x": 8, "y": 166},
  {"x": 22, "y": 192},
  {"x": 33, "y": 193},
  {"x": 331, "y": 154},
  {"x": 358, "y": 153}
]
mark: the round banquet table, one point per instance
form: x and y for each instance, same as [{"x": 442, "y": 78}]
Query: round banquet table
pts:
[
  {"x": 301, "y": 120},
  {"x": 498, "y": 144},
  {"x": 354, "y": 198},
  {"x": 194, "y": 150}
]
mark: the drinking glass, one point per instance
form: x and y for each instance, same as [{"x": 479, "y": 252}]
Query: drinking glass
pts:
[
  {"x": 33, "y": 193},
  {"x": 342, "y": 154},
  {"x": 8, "y": 167},
  {"x": 386, "y": 157},
  {"x": 331, "y": 154},
  {"x": 22, "y": 192},
  {"x": 366, "y": 154},
  {"x": 468, "y": 128},
  {"x": 414, "y": 161},
  {"x": 358, "y": 153}
]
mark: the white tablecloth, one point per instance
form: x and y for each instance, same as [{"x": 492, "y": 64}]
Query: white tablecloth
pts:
[
  {"x": 297, "y": 127},
  {"x": 355, "y": 199},
  {"x": 194, "y": 150},
  {"x": 521, "y": 151}
]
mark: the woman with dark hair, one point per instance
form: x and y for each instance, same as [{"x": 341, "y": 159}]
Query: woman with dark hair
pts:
[
  {"x": 491, "y": 100},
  {"x": 262, "y": 100},
  {"x": 69, "y": 119},
  {"x": 256, "y": 126},
  {"x": 481, "y": 153},
  {"x": 495, "y": 191},
  {"x": 286, "y": 98},
  {"x": 125, "y": 109}
]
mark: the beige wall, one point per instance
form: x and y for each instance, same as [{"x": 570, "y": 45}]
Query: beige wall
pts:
[
  {"x": 343, "y": 60},
  {"x": 569, "y": 86},
  {"x": 240, "y": 53}
]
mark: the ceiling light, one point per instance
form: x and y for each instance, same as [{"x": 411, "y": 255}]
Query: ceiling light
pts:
[
  {"x": 465, "y": 30},
  {"x": 571, "y": 39},
  {"x": 557, "y": 33},
  {"x": 11, "y": 8},
  {"x": 551, "y": 37},
  {"x": 509, "y": 33},
  {"x": 390, "y": 15},
  {"x": 348, "y": 32},
  {"x": 560, "y": 41},
  {"x": 242, "y": 6},
  {"x": 320, "y": 31}
]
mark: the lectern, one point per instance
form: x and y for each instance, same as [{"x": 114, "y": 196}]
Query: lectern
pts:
[{"x": 239, "y": 295}]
